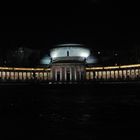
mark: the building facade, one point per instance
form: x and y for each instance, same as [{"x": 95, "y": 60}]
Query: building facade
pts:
[
  {"x": 71, "y": 73},
  {"x": 68, "y": 64}
]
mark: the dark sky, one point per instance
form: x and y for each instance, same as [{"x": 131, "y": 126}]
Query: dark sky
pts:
[{"x": 98, "y": 24}]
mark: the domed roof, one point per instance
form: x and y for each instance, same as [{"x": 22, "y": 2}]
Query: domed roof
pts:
[
  {"x": 67, "y": 53},
  {"x": 72, "y": 50}
]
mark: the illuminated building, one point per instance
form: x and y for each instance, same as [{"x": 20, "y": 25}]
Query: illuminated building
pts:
[{"x": 70, "y": 63}]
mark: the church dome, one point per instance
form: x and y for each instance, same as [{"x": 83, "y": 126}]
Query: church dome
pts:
[{"x": 69, "y": 50}]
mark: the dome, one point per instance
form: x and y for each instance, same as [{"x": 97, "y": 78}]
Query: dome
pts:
[
  {"x": 91, "y": 60},
  {"x": 71, "y": 50},
  {"x": 46, "y": 60}
]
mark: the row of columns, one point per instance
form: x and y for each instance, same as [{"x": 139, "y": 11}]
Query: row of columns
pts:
[
  {"x": 24, "y": 75},
  {"x": 67, "y": 73},
  {"x": 113, "y": 74},
  {"x": 71, "y": 74}
]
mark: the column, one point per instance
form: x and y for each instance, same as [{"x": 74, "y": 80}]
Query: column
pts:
[
  {"x": 65, "y": 73},
  {"x": 93, "y": 75},
  {"x": 75, "y": 76},
  {"x": 51, "y": 75},
  {"x": 79, "y": 72},
  {"x": 55, "y": 74},
  {"x": 6, "y": 75},
  {"x": 118, "y": 74},
  {"x": 38, "y": 75},
  {"x": 122, "y": 75},
  {"x": 96, "y": 73},
  {"x": 0, "y": 74},
  {"x": 125, "y": 73},
  {"x": 89, "y": 75},
  {"x": 60, "y": 70},
  {"x": 70, "y": 74},
  {"x": 20, "y": 74},
  {"x": 139, "y": 71},
  {"x": 130, "y": 74},
  {"x": 47, "y": 75},
  {"x": 135, "y": 73}
]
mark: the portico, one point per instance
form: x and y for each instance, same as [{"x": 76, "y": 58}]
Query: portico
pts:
[{"x": 67, "y": 72}]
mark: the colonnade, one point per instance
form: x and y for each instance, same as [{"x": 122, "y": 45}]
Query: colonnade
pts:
[
  {"x": 68, "y": 73},
  {"x": 71, "y": 73},
  {"x": 114, "y": 74},
  {"x": 24, "y": 75}
]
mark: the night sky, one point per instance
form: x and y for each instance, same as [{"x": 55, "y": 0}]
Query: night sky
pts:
[{"x": 95, "y": 23}]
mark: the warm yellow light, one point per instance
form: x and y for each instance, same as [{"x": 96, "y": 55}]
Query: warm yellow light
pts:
[
  {"x": 6, "y": 68},
  {"x": 129, "y": 66},
  {"x": 94, "y": 68},
  {"x": 111, "y": 67},
  {"x": 89, "y": 68},
  {"x": 114, "y": 67},
  {"x": 24, "y": 69}
]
